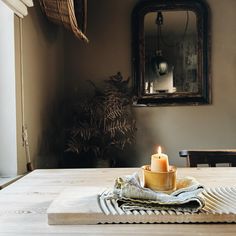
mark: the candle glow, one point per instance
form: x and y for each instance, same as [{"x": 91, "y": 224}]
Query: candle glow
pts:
[{"x": 159, "y": 161}]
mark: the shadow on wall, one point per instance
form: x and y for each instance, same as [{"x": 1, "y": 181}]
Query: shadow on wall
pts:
[
  {"x": 56, "y": 119},
  {"x": 51, "y": 144},
  {"x": 124, "y": 158},
  {"x": 41, "y": 23}
]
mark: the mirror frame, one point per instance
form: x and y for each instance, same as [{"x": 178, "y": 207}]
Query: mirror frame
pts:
[{"x": 203, "y": 96}]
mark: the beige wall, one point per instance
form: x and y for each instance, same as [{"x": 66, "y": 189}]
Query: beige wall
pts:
[
  {"x": 43, "y": 61},
  {"x": 175, "y": 128}
]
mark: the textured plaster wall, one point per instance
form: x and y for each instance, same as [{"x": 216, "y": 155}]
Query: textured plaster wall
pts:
[
  {"x": 43, "y": 60},
  {"x": 175, "y": 128}
]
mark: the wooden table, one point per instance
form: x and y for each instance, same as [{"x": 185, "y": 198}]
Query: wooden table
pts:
[{"x": 23, "y": 204}]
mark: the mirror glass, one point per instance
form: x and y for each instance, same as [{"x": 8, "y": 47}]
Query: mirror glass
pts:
[{"x": 170, "y": 52}]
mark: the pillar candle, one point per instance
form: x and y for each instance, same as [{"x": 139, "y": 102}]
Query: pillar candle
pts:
[{"x": 159, "y": 162}]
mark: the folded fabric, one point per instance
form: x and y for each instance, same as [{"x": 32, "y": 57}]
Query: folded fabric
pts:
[{"x": 130, "y": 195}]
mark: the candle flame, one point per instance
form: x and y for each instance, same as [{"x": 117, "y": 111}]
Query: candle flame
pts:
[{"x": 159, "y": 150}]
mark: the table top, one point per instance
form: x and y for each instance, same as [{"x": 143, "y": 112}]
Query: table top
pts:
[{"x": 23, "y": 204}]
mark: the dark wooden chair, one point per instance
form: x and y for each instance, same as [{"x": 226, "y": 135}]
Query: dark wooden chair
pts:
[{"x": 210, "y": 157}]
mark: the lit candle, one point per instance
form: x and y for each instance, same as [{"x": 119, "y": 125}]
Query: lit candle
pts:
[{"x": 159, "y": 162}]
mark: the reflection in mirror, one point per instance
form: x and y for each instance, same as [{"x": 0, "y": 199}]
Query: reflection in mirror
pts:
[{"x": 170, "y": 52}]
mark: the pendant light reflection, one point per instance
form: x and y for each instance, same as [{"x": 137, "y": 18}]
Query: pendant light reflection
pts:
[{"x": 159, "y": 63}]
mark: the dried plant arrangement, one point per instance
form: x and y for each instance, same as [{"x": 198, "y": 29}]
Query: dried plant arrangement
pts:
[{"x": 104, "y": 122}]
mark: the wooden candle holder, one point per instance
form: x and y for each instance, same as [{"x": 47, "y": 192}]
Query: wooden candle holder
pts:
[{"x": 159, "y": 181}]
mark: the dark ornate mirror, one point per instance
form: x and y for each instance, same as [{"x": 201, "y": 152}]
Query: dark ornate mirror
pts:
[{"x": 171, "y": 52}]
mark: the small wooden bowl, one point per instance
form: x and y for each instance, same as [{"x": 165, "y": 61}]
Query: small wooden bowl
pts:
[{"x": 159, "y": 181}]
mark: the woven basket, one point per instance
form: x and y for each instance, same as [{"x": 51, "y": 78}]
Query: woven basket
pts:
[{"x": 72, "y": 14}]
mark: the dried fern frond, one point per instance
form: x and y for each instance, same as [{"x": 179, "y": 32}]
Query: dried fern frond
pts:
[
  {"x": 111, "y": 114},
  {"x": 104, "y": 121},
  {"x": 74, "y": 146},
  {"x": 118, "y": 126}
]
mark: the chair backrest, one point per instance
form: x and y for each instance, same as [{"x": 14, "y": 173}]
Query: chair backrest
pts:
[{"x": 210, "y": 157}]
